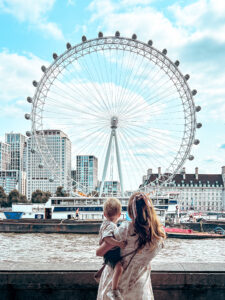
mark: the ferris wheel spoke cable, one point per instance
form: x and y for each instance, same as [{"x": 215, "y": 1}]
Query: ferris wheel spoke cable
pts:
[
  {"x": 133, "y": 71},
  {"x": 92, "y": 138},
  {"x": 80, "y": 86},
  {"x": 129, "y": 67},
  {"x": 160, "y": 130},
  {"x": 59, "y": 116},
  {"x": 143, "y": 162},
  {"x": 150, "y": 146},
  {"x": 136, "y": 126},
  {"x": 86, "y": 134},
  {"x": 76, "y": 109},
  {"x": 165, "y": 138},
  {"x": 107, "y": 92},
  {"x": 139, "y": 91},
  {"x": 96, "y": 74},
  {"x": 130, "y": 94},
  {"x": 148, "y": 104},
  {"x": 92, "y": 80},
  {"x": 128, "y": 145},
  {"x": 127, "y": 150},
  {"x": 157, "y": 139}
]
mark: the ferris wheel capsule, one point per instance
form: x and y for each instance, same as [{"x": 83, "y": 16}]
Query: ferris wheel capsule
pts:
[
  {"x": 55, "y": 56},
  {"x": 134, "y": 36},
  {"x": 84, "y": 39},
  {"x": 68, "y": 46},
  {"x": 186, "y": 77},
  {"x": 28, "y": 133},
  {"x": 35, "y": 83},
  {"x": 194, "y": 92},
  {"x": 191, "y": 157},
  {"x": 43, "y": 68},
  {"x": 196, "y": 142},
  {"x": 100, "y": 34},
  {"x": 29, "y": 100},
  {"x": 164, "y": 51},
  {"x": 198, "y": 108},
  {"x": 27, "y": 116},
  {"x": 117, "y": 34},
  {"x": 51, "y": 179},
  {"x": 32, "y": 150},
  {"x": 41, "y": 165},
  {"x": 150, "y": 42},
  {"x": 199, "y": 125},
  {"x": 177, "y": 63}
]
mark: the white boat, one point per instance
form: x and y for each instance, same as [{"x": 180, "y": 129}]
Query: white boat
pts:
[{"x": 89, "y": 208}]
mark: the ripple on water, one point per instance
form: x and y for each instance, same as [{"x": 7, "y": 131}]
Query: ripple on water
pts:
[{"x": 67, "y": 248}]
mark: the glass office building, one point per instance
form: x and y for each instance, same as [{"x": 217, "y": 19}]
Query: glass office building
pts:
[
  {"x": 87, "y": 173},
  {"x": 47, "y": 178}
]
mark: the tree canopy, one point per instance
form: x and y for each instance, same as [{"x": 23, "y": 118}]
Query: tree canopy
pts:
[
  {"x": 3, "y": 198},
  {"x": 39, "y": 196},
  {"x": 60, "y": 192}
]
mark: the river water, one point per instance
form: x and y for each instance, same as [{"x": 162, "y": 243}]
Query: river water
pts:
[{"x": 67, "y": 248}]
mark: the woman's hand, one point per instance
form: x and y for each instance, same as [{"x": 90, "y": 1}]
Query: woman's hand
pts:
[
  {"x": 122, "y": 244},
  {"x": 105, "y": 247}
]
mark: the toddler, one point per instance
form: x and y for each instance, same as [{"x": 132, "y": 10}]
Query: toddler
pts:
[{"x": 109, "y": 234}]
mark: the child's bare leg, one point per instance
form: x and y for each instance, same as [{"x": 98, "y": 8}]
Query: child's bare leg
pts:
[{"x": 118, "y": 270}]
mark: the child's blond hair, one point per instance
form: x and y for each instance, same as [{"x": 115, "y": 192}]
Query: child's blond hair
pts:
[{"x": 112, "y": 207}]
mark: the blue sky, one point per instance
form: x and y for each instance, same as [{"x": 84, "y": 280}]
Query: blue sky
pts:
[{"x": 191, "y": 31}]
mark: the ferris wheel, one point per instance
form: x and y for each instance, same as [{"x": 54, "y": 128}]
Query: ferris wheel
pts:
[{"x": 120, "y": 100}]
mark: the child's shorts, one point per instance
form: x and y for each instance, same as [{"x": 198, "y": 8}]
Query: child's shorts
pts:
[{"x": 112, "y": 257}]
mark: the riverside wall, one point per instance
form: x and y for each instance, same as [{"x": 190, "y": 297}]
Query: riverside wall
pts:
[
  {"x": 79, "y": 226},
  {"x": 177, "y": 281},
  {"x": 49, "y": 226}
]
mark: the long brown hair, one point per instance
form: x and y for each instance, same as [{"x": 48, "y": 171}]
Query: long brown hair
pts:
[{"x": 146, "y": 223}]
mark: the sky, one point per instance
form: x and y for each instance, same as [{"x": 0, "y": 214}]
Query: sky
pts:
[{"x": 192, "y": 31}]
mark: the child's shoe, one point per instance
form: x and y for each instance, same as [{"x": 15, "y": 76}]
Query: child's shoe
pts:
[{"x": 114, "y": 295}]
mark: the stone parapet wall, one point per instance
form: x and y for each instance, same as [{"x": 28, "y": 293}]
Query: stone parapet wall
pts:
[{"x": 170, "y": 281}]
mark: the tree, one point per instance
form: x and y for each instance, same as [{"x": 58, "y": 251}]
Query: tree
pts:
[
  {"x": 40, "y": 197},
  {"x": 60, "y": 192},
  {"x": 3, "y": 198},
  {"x": 13, "y": 197},
  {"x": 36, "y": 196},
  {"x": 23, "y": 199},
  {"x": 46, "y": 196}
]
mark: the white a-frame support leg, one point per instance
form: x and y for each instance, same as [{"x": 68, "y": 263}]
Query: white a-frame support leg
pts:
[
  {"x": 113, "y": 135},
  {"x": 119, "y": 163}
]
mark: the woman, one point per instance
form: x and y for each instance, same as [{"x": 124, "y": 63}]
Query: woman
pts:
[{"x": 144, "y": 236}]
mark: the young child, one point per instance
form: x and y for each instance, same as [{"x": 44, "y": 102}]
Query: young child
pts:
[{"x": 109, "y": 233}]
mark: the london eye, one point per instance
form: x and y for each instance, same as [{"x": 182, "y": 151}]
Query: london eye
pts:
[{"x": 121, "y": 100}]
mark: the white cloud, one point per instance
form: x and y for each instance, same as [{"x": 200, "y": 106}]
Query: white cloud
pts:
[
  {"x": 33, "y": 12},
  {"x": 52, "y": 29},
  {"x": 70, "y": 2},
  {"x": 204, "y": 18},
  {"x": 16, "y": 75}
]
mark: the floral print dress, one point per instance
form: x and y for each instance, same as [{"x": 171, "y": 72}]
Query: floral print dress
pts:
[{"x": 135, "y": 282}]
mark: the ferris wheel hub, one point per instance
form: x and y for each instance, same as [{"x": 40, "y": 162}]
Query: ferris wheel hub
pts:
[{"x": 114, "y": 122}]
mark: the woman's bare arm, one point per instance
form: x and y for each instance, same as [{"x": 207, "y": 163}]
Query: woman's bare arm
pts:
[
  {"x": 105, "y": 247},
  {"x": 110, "y": 240}
]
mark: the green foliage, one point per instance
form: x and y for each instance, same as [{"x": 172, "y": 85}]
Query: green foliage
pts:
[
  {"x": 40, "y": 197},
  {"x": 60, "y": 192},
  {"x": 3, "y": 198},
  {"x": 13, "y": 197}
]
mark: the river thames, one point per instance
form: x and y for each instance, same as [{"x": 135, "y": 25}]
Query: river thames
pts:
[{"x": 72, "y": 248}]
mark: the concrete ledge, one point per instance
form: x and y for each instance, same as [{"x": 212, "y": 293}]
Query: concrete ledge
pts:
[{"x": 175, "y": 281}]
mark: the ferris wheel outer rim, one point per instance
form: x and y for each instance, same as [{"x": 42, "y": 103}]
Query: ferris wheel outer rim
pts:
[{"x": 177, "y": 73}]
